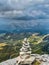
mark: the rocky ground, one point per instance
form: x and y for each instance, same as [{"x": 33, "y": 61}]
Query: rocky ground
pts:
[{"x": 44, "y": 59}]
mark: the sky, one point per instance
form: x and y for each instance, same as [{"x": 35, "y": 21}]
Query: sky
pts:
[
  {"x": 24, "y": 14},
  {"x": 21, "y": 8}
]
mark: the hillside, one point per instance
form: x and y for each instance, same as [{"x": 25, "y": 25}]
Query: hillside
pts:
[{"x": 11, "y": 43}]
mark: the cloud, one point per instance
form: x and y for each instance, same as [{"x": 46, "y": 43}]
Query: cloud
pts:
[
  {"x": 46, "y": 5},
  {"x": 11, "y": 13},
  {"x": 22, "y": 8},
  {"x": 18, "y": 4}
]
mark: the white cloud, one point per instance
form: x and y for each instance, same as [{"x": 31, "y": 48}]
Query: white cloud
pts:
[
  {"x": 46, "y": 5},
  {"x": 40, "y": 0},
  {"x": 23, "y": 7},
  {"x": 11, "y": 13},
  {"x": 20, "y": 3}
]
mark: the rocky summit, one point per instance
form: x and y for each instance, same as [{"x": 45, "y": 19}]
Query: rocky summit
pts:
[
  {"x": 26, "y": 58},
  {"x": 43, "y": 59}
]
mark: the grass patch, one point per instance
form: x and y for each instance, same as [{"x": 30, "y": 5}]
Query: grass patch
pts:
[{"x": 37, "y": 63}]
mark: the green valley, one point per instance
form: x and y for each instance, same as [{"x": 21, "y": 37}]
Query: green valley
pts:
[{"x": 11, "y": 43}]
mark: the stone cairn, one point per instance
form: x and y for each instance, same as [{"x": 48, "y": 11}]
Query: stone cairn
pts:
[
  {"x": 25, "y": 54},
  {"x": 25, "y": 51}
]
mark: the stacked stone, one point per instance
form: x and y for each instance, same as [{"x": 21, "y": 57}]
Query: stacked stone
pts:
[{"x": 25, "y": 50}]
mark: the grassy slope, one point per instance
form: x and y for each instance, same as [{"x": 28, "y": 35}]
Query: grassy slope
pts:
[{"x": 14, "y": 43}]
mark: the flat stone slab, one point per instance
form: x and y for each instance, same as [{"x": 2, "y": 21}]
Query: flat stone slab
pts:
[
  {"x": 44, "y": 63},
  {"x": 27, "y": 61},
  {"x": 9, "y": 62}
]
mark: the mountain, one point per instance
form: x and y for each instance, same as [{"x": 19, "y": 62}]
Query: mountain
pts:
[
  {"x": 10, "y": 44},
  {"x": 19, "y": 26}
]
